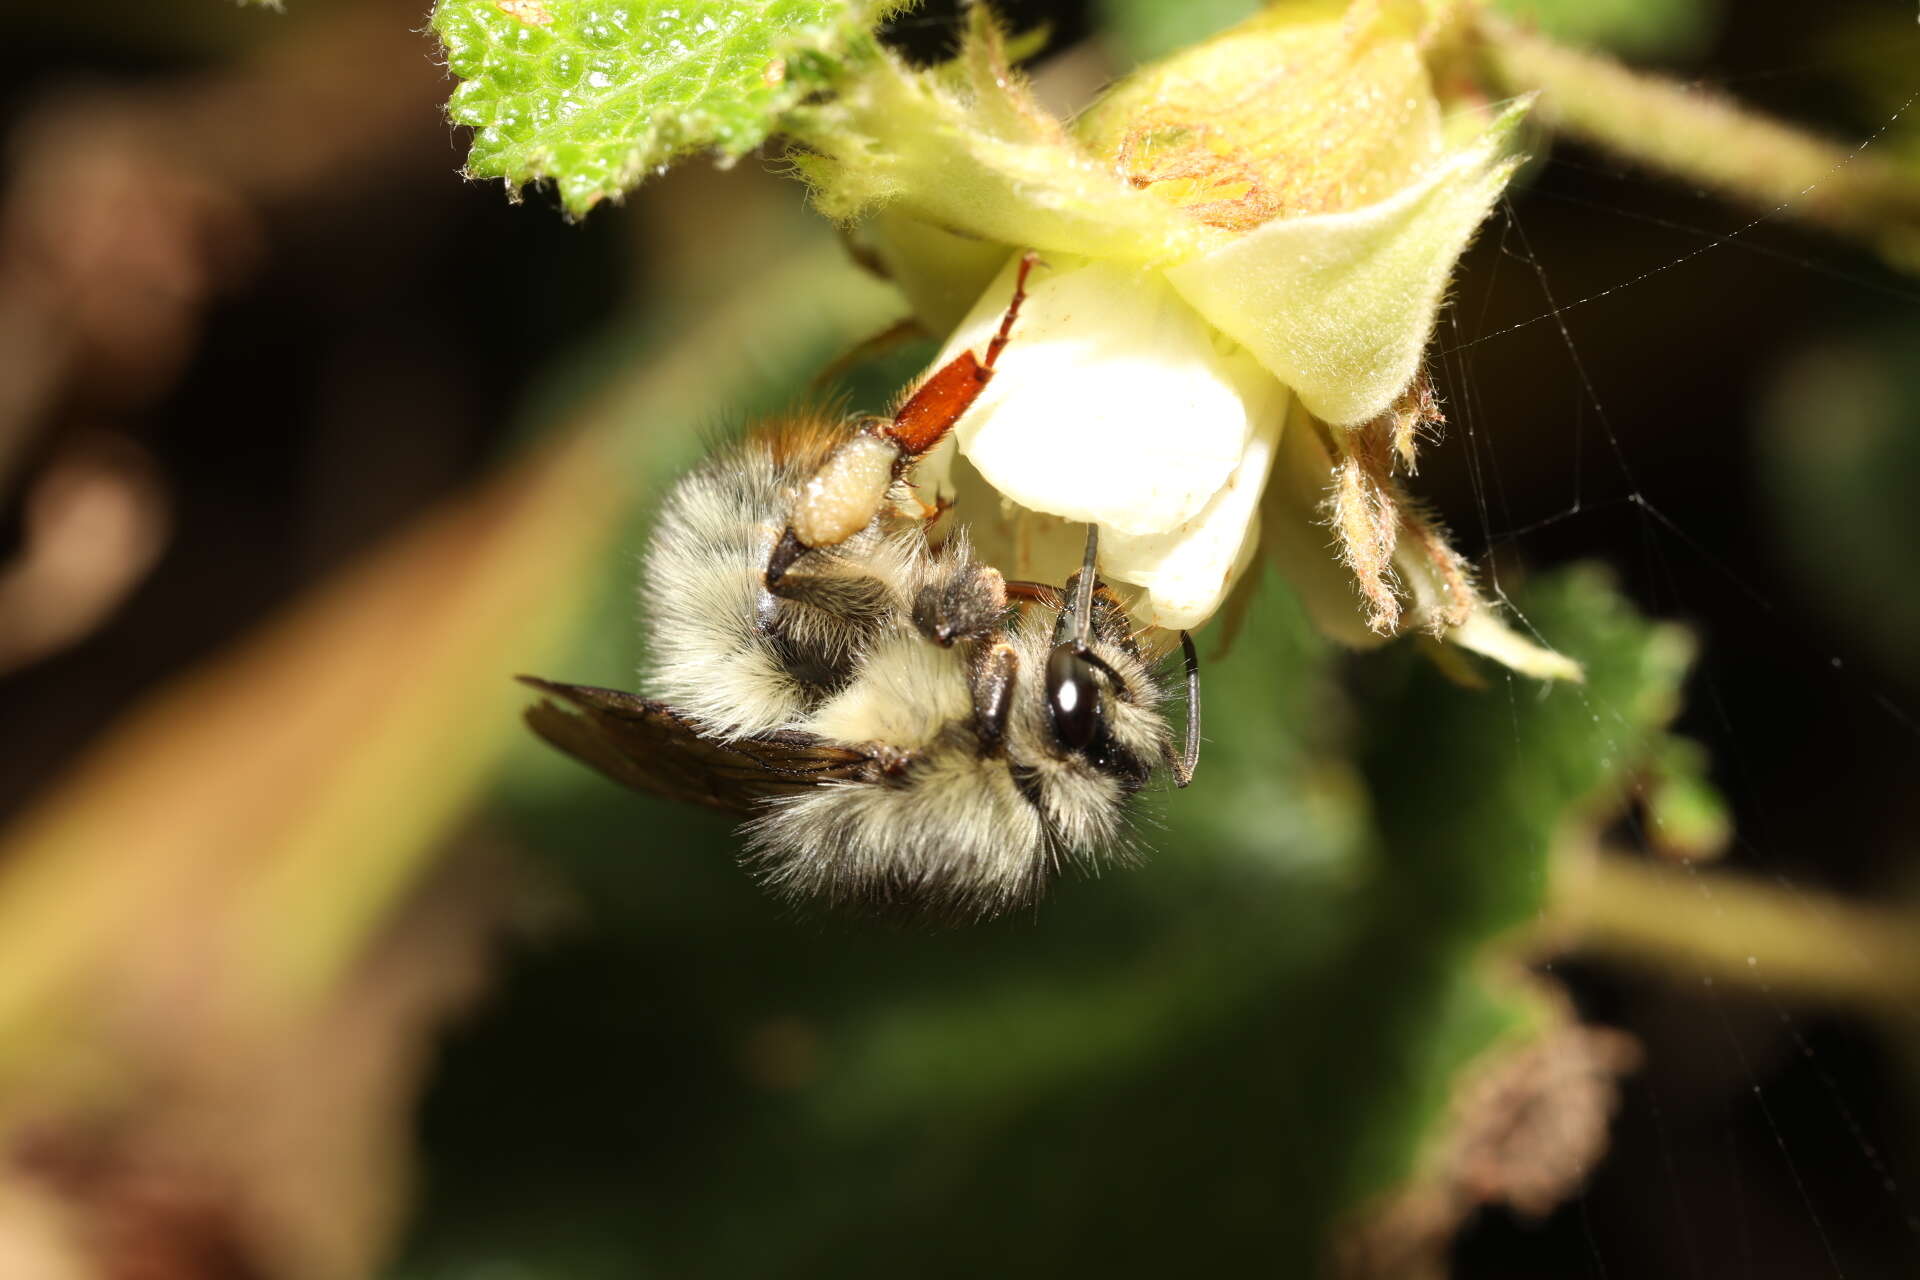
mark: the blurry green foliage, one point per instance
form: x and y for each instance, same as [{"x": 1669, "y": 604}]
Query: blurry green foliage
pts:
[
  {"x": 1875, "y": 45},
  {"x": 593, "y": 95},
  {"x": 1142, "y": 30},
  {"x": 1633, "y": 28},
  {"x": 1211, "y": 1056},
  {"x": 1685, "y": 812}
]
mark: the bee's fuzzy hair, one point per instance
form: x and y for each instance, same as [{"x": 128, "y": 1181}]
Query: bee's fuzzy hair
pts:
[
  {"x": 959, "y": 829},
  {"x": 962, "y": 833},
  {"x": 713, "y": 654}
]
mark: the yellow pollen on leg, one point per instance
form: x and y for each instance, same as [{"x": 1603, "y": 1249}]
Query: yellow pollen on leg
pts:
[{"x": 846, "y": 493}]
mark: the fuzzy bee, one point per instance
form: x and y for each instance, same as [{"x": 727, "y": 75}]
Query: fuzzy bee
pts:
[{"x": 900, "y": 725}]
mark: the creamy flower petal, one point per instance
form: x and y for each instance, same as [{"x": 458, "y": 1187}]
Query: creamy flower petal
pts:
[
  {"x": 1175, "y": 580},
  {"x": 1187, "y": 572},
  {"x": 1114, "y": 403},
  {"x": 1339, "y": 306}
]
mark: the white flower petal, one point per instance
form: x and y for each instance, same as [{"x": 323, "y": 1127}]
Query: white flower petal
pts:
[
  {"x": 1188, "y": 571},
  {"x": 1114, "y": 403},
  {"x": 1022, "y": 544},
  {"x": 1339, "y": 306}
]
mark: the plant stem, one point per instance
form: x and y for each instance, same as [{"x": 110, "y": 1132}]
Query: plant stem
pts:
[
  {"x": 1786, "y": 941},
  {"x": 1703, "y": 138}
]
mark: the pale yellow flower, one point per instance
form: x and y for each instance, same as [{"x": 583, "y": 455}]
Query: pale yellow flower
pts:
[{"x": 1250, "y": 240}]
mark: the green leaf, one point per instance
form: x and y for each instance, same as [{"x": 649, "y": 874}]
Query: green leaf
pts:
[
  {"x": 1478, "y": 780},
  {"x": 592, "y": 95}
]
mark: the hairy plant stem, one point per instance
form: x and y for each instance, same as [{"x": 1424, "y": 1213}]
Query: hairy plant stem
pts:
[
  {"x": 1703, "y": 138},
  {"x": 1687, "y": 921}
]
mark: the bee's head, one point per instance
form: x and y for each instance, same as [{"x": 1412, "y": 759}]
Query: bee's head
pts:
[
  {"x": 1089, "y": 723},
  {"x": 1075, "y": 700},
  {"x": 1101, "y": 701}
]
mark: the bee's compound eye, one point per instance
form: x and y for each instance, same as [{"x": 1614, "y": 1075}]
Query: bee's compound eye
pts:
[{"x": 1073, "y": 696}]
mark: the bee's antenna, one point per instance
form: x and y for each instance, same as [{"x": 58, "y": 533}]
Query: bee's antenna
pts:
[
  {"x": 1083, "y": 595},
  {"x": 1190, "y": 757}
]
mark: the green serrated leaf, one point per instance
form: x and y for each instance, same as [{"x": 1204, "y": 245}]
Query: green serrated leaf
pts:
[{"x": 592, "y": 95}]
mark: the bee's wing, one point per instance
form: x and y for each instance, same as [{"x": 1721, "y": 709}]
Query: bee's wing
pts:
[{"x": 652, "y": 748}]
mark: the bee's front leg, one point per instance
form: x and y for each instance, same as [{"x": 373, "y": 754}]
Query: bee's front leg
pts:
[
  {"x": 851, "y": 486},
  {"x": 847, "y": 594},
  {"x": 967, "y": 603},
  {"x": 993, "y": 677}
]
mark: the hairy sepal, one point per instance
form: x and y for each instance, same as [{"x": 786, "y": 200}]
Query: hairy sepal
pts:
[
  {"x": 1340, "y": 306},
  {"x": 969, "y": 150}
]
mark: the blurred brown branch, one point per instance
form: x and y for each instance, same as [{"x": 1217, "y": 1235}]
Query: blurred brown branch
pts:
[{"x": 212, "y": 1019}]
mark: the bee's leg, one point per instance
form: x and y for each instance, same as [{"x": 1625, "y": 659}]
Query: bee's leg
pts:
[
  {"x": 969, "y": 602},
  {"x": 930, "y": 412},
  {"x": 851, "y": 486},
  {"x": 857, "y": 598},
  {"x": 993, "y": 679},
  {"x": 1034, "y": 593},
  {"x": 868, "y": 348}
]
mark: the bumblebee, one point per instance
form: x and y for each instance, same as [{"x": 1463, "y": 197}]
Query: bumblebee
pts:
[{"x": 900, "y": 725}]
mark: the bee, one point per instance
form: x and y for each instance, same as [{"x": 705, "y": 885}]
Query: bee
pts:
[{"x": 899, "y": 724}]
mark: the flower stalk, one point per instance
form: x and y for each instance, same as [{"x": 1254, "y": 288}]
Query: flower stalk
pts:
[
  {"x": 1798, "y": 944},
  {"x": 1700, "y": 137}
]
